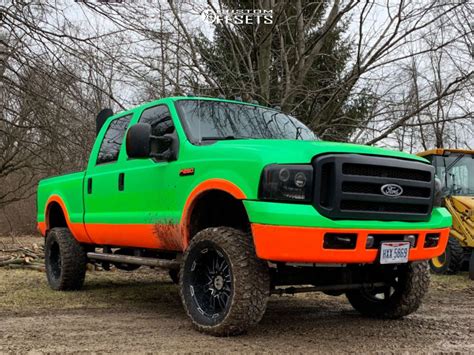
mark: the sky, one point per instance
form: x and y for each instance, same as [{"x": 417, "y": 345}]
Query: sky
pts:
[{"x": 86, "y": 21}]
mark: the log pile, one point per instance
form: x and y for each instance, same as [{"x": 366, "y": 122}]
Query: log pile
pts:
[{"x": 21, "y": 257}]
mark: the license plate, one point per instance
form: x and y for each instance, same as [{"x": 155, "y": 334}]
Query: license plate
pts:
[{"x": 394, "y": 252}]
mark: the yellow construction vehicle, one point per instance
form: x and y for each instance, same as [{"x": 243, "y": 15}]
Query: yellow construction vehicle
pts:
[{"x": 455, "y": 169}]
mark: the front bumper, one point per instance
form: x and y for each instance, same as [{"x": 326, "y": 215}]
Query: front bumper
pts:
[
  {"x": 295, "y": 233},
  {"x": 305, "y": 244}
]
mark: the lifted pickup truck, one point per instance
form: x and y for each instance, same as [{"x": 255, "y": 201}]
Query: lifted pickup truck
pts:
[{"x": 241, "y": 201}]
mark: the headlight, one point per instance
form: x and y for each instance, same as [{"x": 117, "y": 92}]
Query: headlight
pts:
[
  {"x": 438, "y": 193},
  {"x": 287, "y": 183}
]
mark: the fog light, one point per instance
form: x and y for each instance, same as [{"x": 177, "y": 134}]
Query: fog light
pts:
[
  {"x": 410, "y": 238},
  {"x": 339, "y": 241},
  {"x": 370, "y": 242},
  {"x": 431, "y": 240}
]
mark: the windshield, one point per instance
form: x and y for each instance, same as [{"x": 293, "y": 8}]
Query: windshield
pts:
[
  {"x": 215, "y": 120},
  {"x": 456, "y": 172}
]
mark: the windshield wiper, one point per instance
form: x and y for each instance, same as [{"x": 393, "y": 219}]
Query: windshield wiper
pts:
[
  {"x": 216, "y": 138},
  {"x": 453, "y": 176},
  {"x": 450, "y": 166},
  {"x": 223, "y": 138}
]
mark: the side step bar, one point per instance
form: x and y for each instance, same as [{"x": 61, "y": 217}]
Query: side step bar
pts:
[
  {"x": 136, "y": 260},
  {"x": 294, "y": 290}
]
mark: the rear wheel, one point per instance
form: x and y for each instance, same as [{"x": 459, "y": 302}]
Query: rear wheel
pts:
[
  {"x": 65, "y": 260},
  {"x": 450, "y": 261},
  {"x": 407, "y": 287},
  {"x": 224, "y": 286}
]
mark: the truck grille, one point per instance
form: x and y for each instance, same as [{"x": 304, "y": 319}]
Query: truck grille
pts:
[{"x": 349, "y": 186}]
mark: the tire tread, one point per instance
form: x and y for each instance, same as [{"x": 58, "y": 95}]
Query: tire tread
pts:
[
  {"x": 413, "y": 288},
  {"x": 251, "y": 287},
  {"x": 73, "y": 260}
]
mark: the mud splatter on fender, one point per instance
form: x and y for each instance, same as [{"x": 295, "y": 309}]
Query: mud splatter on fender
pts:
[{"x": 168, "y": 235}]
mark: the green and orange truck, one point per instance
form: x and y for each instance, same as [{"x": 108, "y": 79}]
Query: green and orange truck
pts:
[{"x": 240, "y": 201}]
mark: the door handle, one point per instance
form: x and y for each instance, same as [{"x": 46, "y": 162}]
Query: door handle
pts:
[
  {"x": 89, "y": 185},
  {"x": 121, "y": 181}
]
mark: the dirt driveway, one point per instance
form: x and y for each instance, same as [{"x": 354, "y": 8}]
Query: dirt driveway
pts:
[{"x": 141, "y": 312}]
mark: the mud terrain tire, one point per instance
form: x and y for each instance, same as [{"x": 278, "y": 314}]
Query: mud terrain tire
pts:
[
  {"x": 65, "y": 260},
  {"x": 408, "y": 292},
  {"x": 238, "y": 283}
]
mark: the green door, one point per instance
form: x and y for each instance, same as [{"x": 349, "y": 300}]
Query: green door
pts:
[{"x": 149, "y": 191}]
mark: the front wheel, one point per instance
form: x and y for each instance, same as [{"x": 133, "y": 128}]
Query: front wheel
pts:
[
  {"x": 65, "y": 260},
  {"x": 223, "y": 285},
  {"x": 406, "y": 288}
]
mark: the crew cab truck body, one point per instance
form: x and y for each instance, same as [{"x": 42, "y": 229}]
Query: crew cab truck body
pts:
[{"x": 241, "y": 201}]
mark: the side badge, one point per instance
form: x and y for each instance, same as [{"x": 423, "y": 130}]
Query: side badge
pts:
[{"x": 186, "y": 172}]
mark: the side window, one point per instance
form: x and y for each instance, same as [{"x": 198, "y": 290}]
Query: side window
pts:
[
  {"x": 110, "y": 147},
  {"x": 159, "y": 118}
]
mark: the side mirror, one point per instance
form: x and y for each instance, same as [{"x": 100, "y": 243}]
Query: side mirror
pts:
[{"x": 140, "y": 143}]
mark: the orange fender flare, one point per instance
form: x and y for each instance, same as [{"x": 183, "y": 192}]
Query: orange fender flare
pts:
[
  {"x": 77, "y": 229},
  {"x": 211, "y": 184}
]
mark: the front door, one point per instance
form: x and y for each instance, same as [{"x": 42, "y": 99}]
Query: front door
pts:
[{"x": 150, "y": 189}]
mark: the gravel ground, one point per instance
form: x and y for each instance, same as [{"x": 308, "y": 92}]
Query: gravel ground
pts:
[{"x": 141, "y": 312}]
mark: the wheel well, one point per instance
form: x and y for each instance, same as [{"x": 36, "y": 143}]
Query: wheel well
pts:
[
  {"x": 217, "y": 208},
  {"x": 56, "y": 216}
]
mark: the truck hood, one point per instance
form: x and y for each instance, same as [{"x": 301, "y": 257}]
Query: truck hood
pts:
[{"x": 298, "y": 151}]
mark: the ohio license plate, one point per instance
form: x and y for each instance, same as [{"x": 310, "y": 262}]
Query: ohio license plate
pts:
[{"x": 394, "y": 252}]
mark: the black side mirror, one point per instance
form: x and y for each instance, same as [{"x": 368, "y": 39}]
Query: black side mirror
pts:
[{"x": 140, "y": 143}]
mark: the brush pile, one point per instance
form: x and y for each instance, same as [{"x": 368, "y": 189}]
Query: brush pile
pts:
[{"x": 21, "y": 257}]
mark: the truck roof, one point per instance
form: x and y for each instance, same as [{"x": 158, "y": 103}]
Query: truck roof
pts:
[{"x": 177, "y": 98}]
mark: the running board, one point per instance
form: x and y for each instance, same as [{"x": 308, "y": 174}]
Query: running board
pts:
[
  {"x": 135, "y": 260},
  {"x": 344, "y": 287}
]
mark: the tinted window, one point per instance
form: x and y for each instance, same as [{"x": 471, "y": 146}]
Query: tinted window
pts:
[
  {"x": 160, "y": 120},
  {"x": 110, "y": 147},
  {"x": 208, "y": 119}
]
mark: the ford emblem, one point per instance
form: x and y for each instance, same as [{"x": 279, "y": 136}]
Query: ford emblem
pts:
[{"x": 391, "y": 190}]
